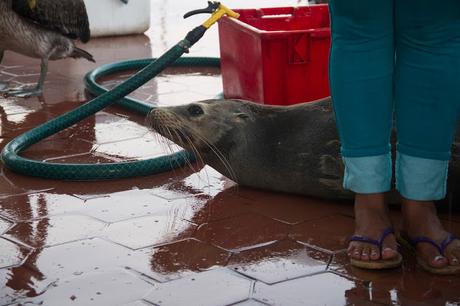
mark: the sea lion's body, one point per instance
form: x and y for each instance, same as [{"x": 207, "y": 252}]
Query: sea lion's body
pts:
[{"x": 292, "y": 149}]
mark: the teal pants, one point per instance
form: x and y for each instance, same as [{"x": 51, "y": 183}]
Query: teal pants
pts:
[{"x": 396, "y": 63}]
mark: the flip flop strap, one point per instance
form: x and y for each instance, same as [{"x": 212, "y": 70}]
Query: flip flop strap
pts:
[
  {"x": 378, "y": 243},
  {"x": 440, "y": 247},
  {"x": 447, "y": 241}
]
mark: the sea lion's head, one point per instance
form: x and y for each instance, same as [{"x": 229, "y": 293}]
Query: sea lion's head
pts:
[{"x": 202, "y": 126}]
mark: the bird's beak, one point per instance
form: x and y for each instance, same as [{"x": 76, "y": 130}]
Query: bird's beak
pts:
[{"x": 32, "y": 3}]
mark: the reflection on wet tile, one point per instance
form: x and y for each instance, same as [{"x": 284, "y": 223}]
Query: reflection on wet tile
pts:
[
  {"x": 409, "y": 285},
  {"x": 187, "y": 255},
  {"x": 140, "y": 148},
  {"x": 149, "y": 231},
  {"x": 110, "y": 288},
  {"x": 280, "y": 261},
  {"x": 8, "y": 189},
  {"x": 175, "y": 86},
  {"x": 242, "y": 232},
  {"x": 121, "y": 206},
  {"x": 4, "y": 225},
  {"x": 58, "y": 149},
  {"x": 226, "y": 204},
  {"x": 71, "y": 259},
  {"x": 11, "y": 254},
  {"x": 38, "y": 205},
  {"x": 321, "y": 289},
  {"x": 208, "y": 181},
  {"x": 18, "y": 106},
  {"x": 292, "y": 208},
  {"x": 18, "y": 283},
  {"x": 250, "y": 302},
  {"x": 137, "y": 303},
  {"x": 381, "y": 284},
  {"x": 113, "y": 127},
  {"x": 215, "y": 287},
  {"x": 329, "y": 233},
  {"x": 55, "y": 230}
]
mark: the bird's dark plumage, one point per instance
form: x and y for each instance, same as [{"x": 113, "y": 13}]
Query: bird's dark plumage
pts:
[
  {"x": 67, "y": 17},
  {"x": 42, "y": 29}
]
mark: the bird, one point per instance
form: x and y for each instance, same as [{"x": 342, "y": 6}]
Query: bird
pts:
[{"x": 45, "y": 29}]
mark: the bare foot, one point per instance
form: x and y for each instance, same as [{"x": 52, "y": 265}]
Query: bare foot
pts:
[
  {"x": 371, "y": 219},
  {"x": 421, "y": 220}
]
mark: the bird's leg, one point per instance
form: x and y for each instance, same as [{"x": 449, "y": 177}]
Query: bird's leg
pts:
[
  {"x": 3, "y": 85},
  {"x": 31, "y": 92}
]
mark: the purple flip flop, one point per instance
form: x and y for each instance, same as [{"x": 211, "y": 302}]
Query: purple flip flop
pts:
[
  {"x": 441, "y": 247},
  {"x": 380, "y": 263}
]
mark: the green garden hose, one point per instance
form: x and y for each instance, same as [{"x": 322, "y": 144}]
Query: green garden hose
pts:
[
  {"x": 150, "y": 69},
  {"x": 80, "y": 172},
  {"x": 132, "y": 104}
]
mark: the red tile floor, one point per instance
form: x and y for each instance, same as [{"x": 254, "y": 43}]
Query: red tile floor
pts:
[{"x": 185, "y": 237}]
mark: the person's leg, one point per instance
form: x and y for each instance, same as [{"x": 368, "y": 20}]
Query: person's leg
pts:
[
  {"x": 361, "y": 79},
  {"x": 427, "y": 76}
]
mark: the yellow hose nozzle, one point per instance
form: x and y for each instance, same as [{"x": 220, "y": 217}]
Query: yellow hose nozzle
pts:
[
  {"x": 219, "y": 13},
  {"x": 217, "y": 10}
]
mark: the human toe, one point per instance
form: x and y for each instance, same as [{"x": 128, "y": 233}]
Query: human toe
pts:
[
  {"x": 389, "y": 253},
  {"x": 452, "y": 253},
  {"x": 356, "y": 251},
  {"x": 375, "y": 254},
  {"x": 365, "y": 255}
]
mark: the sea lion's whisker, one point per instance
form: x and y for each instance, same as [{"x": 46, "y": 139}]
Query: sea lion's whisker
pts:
[
  {"x": 187, "y": 160},
  {"x": 168, "y": 132},
  {"x": 195, "y": 151},
  {"x": 220, "y": 156}
]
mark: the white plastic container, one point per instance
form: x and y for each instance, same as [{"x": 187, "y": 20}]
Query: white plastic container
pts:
[{"x": 113, "y": 17}]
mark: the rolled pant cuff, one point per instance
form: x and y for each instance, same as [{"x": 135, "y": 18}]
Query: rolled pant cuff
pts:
[
  {"x": 421, "y": 179},
  {"x": 370, "y": 174}
]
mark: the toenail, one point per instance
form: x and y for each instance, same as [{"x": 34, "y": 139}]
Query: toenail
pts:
[
  {"x": 454, "y": 261},
  {"x": 439, "y": 258}
]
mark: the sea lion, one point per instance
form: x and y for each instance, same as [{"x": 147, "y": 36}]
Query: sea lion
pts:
[{"x": 292, "y": 149}]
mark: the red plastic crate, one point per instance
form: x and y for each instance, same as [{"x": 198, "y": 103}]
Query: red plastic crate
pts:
[{"x": 276, "y": 55}]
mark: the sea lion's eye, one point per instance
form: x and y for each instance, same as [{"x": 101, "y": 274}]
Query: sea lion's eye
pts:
[{"x": 195, "y": 110}]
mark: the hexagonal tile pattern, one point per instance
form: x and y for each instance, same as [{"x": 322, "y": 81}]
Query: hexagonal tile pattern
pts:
[
  {"x": 114, "y": 287},
  {"x": 322, "y": 289},
  {"x": 32, "y": 206},
  {"x": 84, "y": 256},
  {"x": 11, "y": 254},
  {"x": 215, "y": 287},
  {"x": 330, "y": 233},
  {"x": 409, "y": 285},
  {"x": 280, "y": 261},
  {"x": 4, "y": 225},
  {"x": 280, "y": 243},
  {"x": 120, "y": 206},
  {"x": 149, "y": 231},
  {"x": 291, "y": 208},
  {"x": 9, "y": 189},
  {"x": 186, "y": 255},
  {"x": 17, "y": 283},
  {"x": 250, "y": 302},
  {"x": 55, "y": 230},
  {"x": 242, "y": 232},
  {"x": 226, "y": 204}
]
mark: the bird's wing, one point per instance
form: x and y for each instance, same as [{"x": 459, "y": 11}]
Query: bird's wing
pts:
[{"x": 68, "y": 17}]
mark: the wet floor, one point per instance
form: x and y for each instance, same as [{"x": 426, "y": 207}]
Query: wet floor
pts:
[{"x": 185, "y": 237}]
